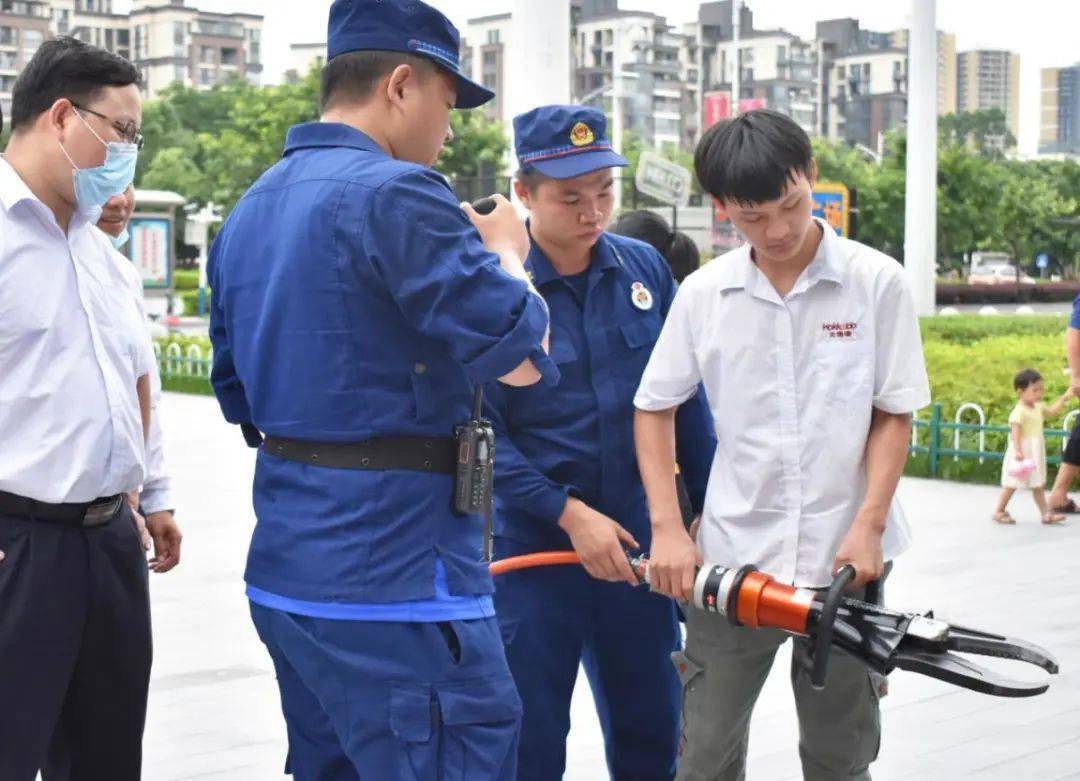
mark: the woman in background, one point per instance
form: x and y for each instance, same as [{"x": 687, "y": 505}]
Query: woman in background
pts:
[{"x": 678, "y": 249}]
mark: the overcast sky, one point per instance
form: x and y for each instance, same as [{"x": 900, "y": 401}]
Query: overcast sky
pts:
[{"x": 1046, "y": 33}]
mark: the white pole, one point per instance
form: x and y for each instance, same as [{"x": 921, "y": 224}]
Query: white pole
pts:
[
  {"x": 536, "y": 62},
  {"x": 920, "y": 212},
  {"x": 736, "y": 76}
]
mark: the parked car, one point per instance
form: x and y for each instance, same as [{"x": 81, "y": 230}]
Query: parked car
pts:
[{"x": 997, "y": 274}]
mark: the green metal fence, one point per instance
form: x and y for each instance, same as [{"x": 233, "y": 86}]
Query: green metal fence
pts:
[
  {"x": 938, "y": 439},
  {"x": 186, "y": 370}
]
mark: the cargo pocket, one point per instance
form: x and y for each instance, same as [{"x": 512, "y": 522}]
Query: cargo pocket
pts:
[
  {"x": 689, "y": 676},
  {"x": 481, "y": 720},
  {"x": 412, "y": 712}
]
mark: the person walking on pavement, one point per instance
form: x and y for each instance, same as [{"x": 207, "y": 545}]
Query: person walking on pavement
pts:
[{"x": 355, "y": 310}]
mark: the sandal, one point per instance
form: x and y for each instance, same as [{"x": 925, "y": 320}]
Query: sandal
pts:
[
  {"x": 1069, "y": 507},
  {"x": 1051, "y": 518},
  {"x": 1003, "y": 517}
]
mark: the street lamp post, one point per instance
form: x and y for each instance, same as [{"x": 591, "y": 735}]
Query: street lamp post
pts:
[{"x": 920, "y": 202}]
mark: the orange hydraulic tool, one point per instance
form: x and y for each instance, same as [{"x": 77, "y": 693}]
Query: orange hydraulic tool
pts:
[{"x": 882, "y": 639}]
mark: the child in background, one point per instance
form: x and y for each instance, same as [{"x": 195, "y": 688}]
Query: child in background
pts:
[{"x": 1025, "y": 456}]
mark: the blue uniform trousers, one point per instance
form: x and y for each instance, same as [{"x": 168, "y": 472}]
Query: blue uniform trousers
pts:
[
  {"x": 390, "y": 701},
  {"x": 555, "y": 618}
]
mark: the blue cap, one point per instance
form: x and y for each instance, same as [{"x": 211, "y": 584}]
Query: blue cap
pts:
[
  {"x": 402, "y": 26},
  {"x": 564, "y": 141}
]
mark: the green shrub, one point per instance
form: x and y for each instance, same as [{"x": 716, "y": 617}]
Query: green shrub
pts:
[
  {"x": 184, "y": 279},
  {"x": 190, "y": 299}
]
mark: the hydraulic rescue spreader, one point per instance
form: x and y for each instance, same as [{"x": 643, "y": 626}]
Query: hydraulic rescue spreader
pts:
[{"x": 883, "y": 639}]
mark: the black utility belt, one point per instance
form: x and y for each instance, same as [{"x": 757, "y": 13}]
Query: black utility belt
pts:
[
  {"x": 415, "y": 454},
  {"x": 83, "y": 514}
]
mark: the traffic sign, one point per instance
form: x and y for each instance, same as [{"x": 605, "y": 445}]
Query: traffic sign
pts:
[{"x": 663, "y": 180}]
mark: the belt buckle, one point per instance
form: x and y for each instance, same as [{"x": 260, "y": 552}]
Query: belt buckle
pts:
[{"x": 101, "y": 514}]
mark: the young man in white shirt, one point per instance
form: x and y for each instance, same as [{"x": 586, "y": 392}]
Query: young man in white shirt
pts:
[{"x": 809, "y": 350}]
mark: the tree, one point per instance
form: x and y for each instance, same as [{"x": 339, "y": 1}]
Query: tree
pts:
[
  {"x": 986, "y": 130},
  {"x": 478, "y": 149},
  {"x": 1027, "y": 212}
]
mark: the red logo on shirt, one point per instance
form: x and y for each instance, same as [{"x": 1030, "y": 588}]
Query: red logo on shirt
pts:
[{"x": 838, "y": 330}]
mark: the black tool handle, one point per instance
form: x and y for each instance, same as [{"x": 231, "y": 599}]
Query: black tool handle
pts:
[
  {"x": 484, "y": 205},
  {"x": 823, "y": 641}
]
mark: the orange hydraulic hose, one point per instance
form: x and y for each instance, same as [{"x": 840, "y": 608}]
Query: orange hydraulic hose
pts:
[
  {"x": 760, "y": 602},
  {"x": 531, "y": 560}
]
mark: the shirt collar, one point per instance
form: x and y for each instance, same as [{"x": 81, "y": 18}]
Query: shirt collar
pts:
[
  {"x": 328, "y": 134},
  {"x": 13, "y": 189},
  {"x": 739, "y": 271},
  {"x": 604, "y": 256}
]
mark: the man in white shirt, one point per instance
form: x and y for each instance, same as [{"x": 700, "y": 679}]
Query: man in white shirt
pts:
[
  {"x": 809, "y": 350},
  {"x": 75, "y": 644}
]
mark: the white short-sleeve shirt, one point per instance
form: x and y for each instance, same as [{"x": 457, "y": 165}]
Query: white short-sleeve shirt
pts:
[
  {"x": 791, "y": 384},
  {"x": 73, "y": 343}
]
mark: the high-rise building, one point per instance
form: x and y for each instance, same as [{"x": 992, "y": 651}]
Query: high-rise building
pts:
[
  {"x": 863, "y": 82},
  {"x": 946, "y": 69},
  {"x": 1059, "y": 124},
  {"x": 628, "y": 62},
  {"x": 302, "y": 58},
  {"x": 777, "y": 70},
  {"x": 24, "y": 26},
  {"x": 987, "y": 79},
  {"x": 167, "y": 40},
  {"x": 625, "y": 62},
  {"x": 483, "y": 59}
]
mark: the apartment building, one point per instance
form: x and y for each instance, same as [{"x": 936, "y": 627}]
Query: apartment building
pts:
[
  {"x": 1059, "y": 118},
  {"x": 987, "y": 79}
]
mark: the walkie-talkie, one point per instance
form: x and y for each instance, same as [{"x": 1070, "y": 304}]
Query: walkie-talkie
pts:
[{"x": 474, "y": 476}]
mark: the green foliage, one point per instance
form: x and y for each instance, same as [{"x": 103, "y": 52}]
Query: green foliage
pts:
[
  {"x": 974, "y": 359},
  {"x": 190, "y": 300},
  {"x": 986, "y": 131},
  {"x": 984, "y": 201},
  {"x": 211, "y": 145},
  {"x": 185, "y": 279},
  {"x": 478, "y": 149}
]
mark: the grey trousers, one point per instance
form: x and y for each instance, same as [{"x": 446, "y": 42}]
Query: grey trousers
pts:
[{"x": 723, "y": 669}]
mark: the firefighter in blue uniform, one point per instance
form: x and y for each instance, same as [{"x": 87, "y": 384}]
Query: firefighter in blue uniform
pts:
[
  {"x": 565, "y": 472},
  {"x": 355, "y": 307}
]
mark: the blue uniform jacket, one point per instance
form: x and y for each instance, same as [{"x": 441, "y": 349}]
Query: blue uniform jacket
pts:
[
  {"x": 352, "y": 299},
  {"x": 578, "y": 438}
]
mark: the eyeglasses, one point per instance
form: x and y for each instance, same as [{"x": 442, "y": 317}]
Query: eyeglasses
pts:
[{"x": 128, "y": 131}]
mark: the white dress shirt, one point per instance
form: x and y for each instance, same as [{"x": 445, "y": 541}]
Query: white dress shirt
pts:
[
  {"x": 72, "y": 345},
  {"x": 791, "y": 383},
  {"x": 156, "y": 494}
]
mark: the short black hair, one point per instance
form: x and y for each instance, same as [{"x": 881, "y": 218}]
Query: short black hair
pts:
[
  {"x": 1025, "y": 379},
  {"x": 752, "y": 158},
  {"x": 529, "y": 177},
  {"x": 66, "y": 67},
  {"x": 678, "y": 249},
  {"x": 355, "y": 75}
]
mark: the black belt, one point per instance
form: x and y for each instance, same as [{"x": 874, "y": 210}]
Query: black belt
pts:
[
  {"x": 87, "y": 514},
  {"x": 416, "y": 454}
]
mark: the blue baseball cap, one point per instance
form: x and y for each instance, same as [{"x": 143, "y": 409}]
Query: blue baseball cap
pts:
[
  {"x": 408, "y": 26},
  {"x": 564, "y": 141}
]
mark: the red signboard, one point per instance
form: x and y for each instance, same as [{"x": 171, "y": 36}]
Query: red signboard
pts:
[{"x": 717, "y": 107}]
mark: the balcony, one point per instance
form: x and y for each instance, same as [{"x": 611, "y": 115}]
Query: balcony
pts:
[
  {"x": 28, "y": 8},
  {"x": 217, "y": 29}
]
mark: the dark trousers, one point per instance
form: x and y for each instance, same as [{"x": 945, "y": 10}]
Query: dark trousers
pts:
[
  {"x": 389, "y": 700},
  {"x": 555, "y": 619},
  {"x": 74, "y": 650}
]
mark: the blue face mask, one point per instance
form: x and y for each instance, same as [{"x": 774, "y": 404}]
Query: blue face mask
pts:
[
  {"x": 122, "y": 239},
  {"x": 95, "y": 186}
]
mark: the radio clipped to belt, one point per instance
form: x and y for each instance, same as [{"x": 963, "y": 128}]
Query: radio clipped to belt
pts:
[{"x": 474, "y": 476}]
